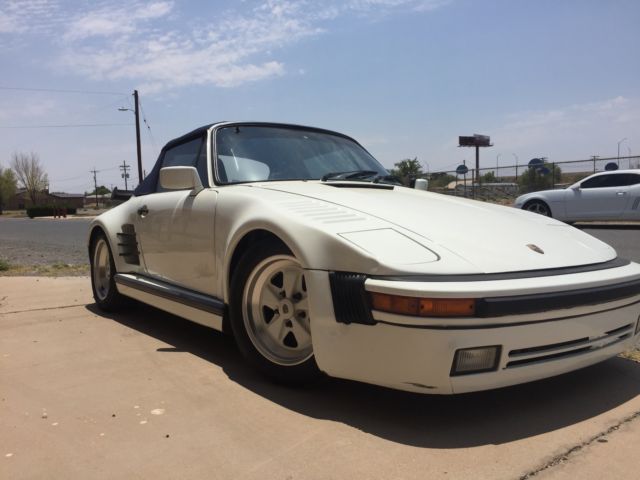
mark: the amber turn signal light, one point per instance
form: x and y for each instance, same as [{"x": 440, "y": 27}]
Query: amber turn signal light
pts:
[{"x": 423, "y": 307}]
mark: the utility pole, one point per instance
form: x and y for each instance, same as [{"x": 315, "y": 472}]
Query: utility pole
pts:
[
  {"x": 137, "y": 113},
  {"x": 95, "y": 184},
  {"x": 125, "y": 174}
]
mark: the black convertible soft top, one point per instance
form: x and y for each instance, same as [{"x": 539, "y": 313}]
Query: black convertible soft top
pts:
[{"x": 149, "y": 183}]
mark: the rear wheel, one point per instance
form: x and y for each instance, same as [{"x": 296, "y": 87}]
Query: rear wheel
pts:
[
  {"x": 538, "y": 206},
  {"x": 103, "y": 270},
  {"x": 269, "y": 311}
]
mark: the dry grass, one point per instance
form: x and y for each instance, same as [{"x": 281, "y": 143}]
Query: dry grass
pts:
[
  {"x": 53, "y": 270},
  {"x": 14, "y": 214},
  {"x": 632, "y": 354}
]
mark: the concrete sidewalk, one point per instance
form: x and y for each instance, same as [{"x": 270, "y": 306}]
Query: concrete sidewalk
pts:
[{"x": 147, "y": 395}]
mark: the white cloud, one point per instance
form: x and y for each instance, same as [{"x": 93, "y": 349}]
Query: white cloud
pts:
[
  {"x": 112, "y": 20},
  {"x": 592, "y": 128},
  {"x": 419, "y": 5},
  {"x": 155, "y": 44},
  {"x": 35, "y": 16}
]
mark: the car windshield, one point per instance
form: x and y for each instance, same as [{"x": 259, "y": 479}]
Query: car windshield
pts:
[{"x": 251, "y": 153}]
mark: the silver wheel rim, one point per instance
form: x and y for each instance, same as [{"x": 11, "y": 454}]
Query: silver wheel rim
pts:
[
  {"x": 275, "y": 310},
  {"x": 101, "y": 269},
  {"x": 540, "y": 208}
]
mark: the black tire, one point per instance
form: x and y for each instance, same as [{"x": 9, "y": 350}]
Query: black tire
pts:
[
  {"x": 103, "y": 284},
  {"x": 539, "y": 207},
  {"x": 249, "y": 323}
]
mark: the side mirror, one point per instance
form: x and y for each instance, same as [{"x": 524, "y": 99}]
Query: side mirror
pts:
[
  {"x": 180, "y": 178},
  {"x": 575, "y": 187},
  {"x": 421, "y": 184}
]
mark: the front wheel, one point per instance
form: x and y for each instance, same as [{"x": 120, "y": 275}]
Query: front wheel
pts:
[
  {"x": 269, "y": 311},
  {"x": 103, "y": 270},
  {"x": 538, "y": 206}
]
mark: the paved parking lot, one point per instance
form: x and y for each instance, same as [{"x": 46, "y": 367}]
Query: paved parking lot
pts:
[{"x": 147, "y": 395}]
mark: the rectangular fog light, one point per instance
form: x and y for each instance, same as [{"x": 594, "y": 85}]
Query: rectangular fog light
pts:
[{"x": 476, "y": 360}]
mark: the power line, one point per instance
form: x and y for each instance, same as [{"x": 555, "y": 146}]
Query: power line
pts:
[
  {"x": 144, "y": 119},
  {"x": 79, "y": 125},
  {"x": 57, "y": 90},
  {"x": 67, "y": 179}
]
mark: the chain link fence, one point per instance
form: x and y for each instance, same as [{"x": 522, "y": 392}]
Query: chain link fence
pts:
[{"x": 502, "y": 184}]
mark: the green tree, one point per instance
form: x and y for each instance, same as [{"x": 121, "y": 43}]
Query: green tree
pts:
[
  {"x": 538, "y": 178},
  {"x": 407, "y": 169},
  {"x": 102, "y": 190},
  {"x": 8, "y": 185}
]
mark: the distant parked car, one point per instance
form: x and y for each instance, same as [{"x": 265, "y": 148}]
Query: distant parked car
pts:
[{"x": 601, "y": 196}]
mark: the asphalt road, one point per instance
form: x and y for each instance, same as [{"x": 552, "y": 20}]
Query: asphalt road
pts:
[
  {"x": 624, "y": 238},
  {"x": 42, "y": 240}
]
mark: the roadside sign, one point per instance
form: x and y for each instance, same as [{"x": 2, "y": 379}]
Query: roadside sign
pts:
[{"x": 462, "y": 169}]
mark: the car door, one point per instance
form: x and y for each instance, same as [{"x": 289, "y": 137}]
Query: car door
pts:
[
  {"x": 175, "y": 228},
  {"x": 632, "y": 210},
  {"x": 601, "y": 197}
]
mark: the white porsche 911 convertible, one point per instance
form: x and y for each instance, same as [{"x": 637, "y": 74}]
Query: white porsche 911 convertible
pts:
[{"x": 297, "y": 241}]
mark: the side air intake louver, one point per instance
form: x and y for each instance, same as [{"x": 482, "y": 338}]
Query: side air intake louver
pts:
[{"x": 128, "y": 245}]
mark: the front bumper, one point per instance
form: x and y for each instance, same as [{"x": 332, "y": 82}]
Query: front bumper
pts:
[{"x": 416, "y": 354}]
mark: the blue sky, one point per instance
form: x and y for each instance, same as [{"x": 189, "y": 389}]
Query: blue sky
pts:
[{"x": 559, "y": 78}]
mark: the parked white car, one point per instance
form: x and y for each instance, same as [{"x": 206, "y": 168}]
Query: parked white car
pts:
[
  {"x": 296, "y": 241},
  {"x": 602, "y": 196}
]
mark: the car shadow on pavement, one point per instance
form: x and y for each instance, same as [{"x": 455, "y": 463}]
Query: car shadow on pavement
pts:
[{"x": 432, "y": 421}]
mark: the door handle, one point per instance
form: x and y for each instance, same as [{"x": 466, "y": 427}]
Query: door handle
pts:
[
  {"x": 621, "y": 193},
  {"x": 143, "y": 210}
]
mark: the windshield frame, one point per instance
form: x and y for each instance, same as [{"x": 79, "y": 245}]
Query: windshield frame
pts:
[{"x": 214, "y": 154}]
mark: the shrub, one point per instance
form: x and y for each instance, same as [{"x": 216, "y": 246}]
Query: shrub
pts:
[
  {"x": 49, "y": 210},
  {"x": 533, "y": 180}
]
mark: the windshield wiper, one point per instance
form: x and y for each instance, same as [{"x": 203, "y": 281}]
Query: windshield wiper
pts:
[
  {"x": 349, "y": 175},
  {"x": 388, "y": 179}
]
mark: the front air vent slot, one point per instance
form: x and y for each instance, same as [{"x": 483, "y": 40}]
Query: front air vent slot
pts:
[{"x": 555, "y": 351}]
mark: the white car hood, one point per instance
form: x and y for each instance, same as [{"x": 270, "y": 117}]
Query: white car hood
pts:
[{"x": 490, "y": 237}]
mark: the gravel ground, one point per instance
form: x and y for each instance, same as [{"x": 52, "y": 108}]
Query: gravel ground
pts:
[
  {"x": 32, "y": 253},
  {"x": 43, "y": 241}
]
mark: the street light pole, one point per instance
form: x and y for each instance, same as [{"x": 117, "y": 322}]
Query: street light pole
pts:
[
  {"x": 619, "y": 149},
  {"x": 497, "y": 158}
]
